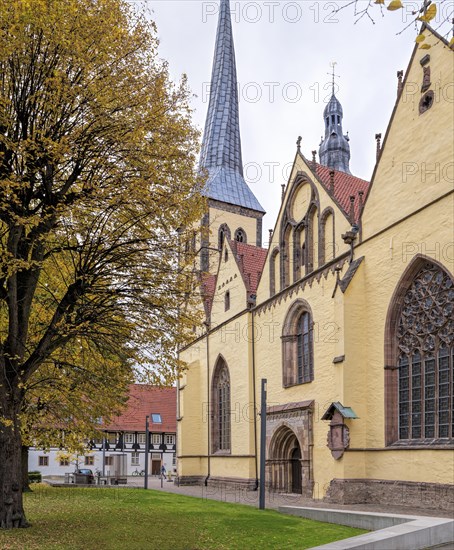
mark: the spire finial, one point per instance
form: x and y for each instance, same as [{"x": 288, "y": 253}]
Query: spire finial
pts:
[
  {"x": 298, "y": 143},
  {"x": 333, "y": 74}
]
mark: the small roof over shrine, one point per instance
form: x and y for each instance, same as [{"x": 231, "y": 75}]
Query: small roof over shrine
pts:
[{"x": 346, "y": 412}]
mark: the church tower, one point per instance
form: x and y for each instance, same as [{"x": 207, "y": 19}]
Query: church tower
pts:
[
  {"x": 334, "y": 150},
  {"x": 234, "y": 211}
]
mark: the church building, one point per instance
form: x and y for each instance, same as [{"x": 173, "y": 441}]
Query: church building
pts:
[{"x": 348, "y": 314}]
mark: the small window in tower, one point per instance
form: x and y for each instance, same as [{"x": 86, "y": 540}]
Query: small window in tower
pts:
[
  {"x": 338, "y": 119},
  {"x": 226, "y": 255},
  {"x": 221, "y": 237},
  {"x": 227, "y": 300},
  {"x": 240, "y": 236},
  {"x": 333, "y": 119}
]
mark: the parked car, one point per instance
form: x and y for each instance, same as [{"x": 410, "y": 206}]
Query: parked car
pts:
[{"x": 84, "y": 475}]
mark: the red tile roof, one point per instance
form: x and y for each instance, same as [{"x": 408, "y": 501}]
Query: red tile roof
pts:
[
  {"x": 345, "y": 186},
  {"x": 208, "y": 287},
  {"x": 251, "y": 260},
  {"x": 145, "y": 400}
]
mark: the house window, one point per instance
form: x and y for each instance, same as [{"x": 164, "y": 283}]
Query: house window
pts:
[
  {"x": 89, "y": 461},
  {"x": 425, "y": 357},
  {"x": 156, "y": 439},
  {"x": 43, "y": 461},
  {"x": 227, "y": 300},
  {"x": 221, "y": 407},
  {"x": 135, "y": 459},
  {"x": 141, "y": 438},
  {"x": 170, "y": 439},
  {"x": 112, "y": 438},
  {"x": 297, "y": 345},
  {"x": 108, "y": 461},
  {"x": 64, "y": 462},
  {"x": 129, "y": 438},
  {"x": 156, "y": 418}
]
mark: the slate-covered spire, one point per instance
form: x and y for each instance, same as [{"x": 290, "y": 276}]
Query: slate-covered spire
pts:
[
  {"x": 334, "y": 150},
  {"x": 221, "y": 146}
]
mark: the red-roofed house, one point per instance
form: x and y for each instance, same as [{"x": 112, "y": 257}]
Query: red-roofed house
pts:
[{"x": 120, "y": 451}]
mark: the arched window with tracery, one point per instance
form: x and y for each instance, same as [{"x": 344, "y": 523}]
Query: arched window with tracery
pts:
[
  {"x": 240, "y": 235},
  {"x": 221, "y": 407},
  {"x": 297, "y": 345},
  {"x": 420, "y": 385}
]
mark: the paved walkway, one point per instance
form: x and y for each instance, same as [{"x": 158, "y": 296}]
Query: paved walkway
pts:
[{"x": 274, "y": 500}]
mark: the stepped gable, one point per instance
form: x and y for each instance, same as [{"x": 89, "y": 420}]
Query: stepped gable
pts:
[{"x": 144, "y": 400}]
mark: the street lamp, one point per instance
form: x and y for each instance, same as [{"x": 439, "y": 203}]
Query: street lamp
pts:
[{"x": 156, "y": 419}]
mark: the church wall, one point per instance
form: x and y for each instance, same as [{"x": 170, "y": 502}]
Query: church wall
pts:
[
  {"x": 353, "y": 325},
  {"x": 415, "y": 168},
  {"x": 233, "y": 341},
  {"x": 325, "y": 388},
  {"x": 387, "y": 257},
  {"x": 230, "y": 280},
  {"x": 234, "y": 220}
]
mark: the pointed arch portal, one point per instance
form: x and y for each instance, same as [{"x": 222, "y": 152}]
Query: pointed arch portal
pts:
[{"x": 285, "y": 462}]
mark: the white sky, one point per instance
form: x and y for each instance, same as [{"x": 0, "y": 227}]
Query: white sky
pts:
[{"x": 284, "y": 49}]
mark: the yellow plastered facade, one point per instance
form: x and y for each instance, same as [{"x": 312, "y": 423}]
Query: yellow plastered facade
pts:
[{"x": 402, "y": 220}]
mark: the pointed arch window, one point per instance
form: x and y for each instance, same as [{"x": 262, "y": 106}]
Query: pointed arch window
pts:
[
  {"x": 297, "y": 345},
  {"x": 304, "y": 348},
  {"x": 422, "y": 403},
  {"x": 223, "y": 233},
  {"x": 221, "y": 425},
  {"x": 240, "y": 235}
]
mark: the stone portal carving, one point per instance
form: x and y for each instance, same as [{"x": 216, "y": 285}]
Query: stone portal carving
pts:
[{"x": 289, "y": 448}]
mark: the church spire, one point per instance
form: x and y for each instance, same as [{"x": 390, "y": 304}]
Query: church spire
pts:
[
  {"x": 334, "y": 149},
  {"x": 221, "y": 146}
]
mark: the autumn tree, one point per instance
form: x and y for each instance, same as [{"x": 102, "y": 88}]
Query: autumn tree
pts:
[
  {"x": 437, "y": 13},
  {"x": 97, "y": 183}
]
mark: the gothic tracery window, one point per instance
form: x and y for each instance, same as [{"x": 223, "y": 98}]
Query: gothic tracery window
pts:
[
  {"x": 425, "y": 335},
  {"x": 240, "y": 235},
  {"x": 221, "y": 407}
]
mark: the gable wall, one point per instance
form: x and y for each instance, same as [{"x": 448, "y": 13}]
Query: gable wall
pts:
[{"x": 416, "y": 164}]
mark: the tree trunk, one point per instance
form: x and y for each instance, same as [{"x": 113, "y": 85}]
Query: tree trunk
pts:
[
  {"x": 11, "y": 507},
  {"x": 25, "y": 483}
]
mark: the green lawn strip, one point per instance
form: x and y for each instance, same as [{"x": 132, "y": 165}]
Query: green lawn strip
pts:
[{"x": 123, "y": 518}]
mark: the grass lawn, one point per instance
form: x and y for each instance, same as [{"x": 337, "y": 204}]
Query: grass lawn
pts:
[{"x": 122, "y": 518}]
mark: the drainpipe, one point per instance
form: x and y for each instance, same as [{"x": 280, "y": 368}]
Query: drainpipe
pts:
[
  {"x": 255, "y": 404},
  {"x": 208, "y": 403}
]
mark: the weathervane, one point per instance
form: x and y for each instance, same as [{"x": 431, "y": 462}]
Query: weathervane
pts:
[{"x": 333, "y": 74}]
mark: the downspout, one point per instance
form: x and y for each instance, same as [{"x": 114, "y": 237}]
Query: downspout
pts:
[
  {"x": 208, "y": 403},
  {"x": 255, "y": 404}
]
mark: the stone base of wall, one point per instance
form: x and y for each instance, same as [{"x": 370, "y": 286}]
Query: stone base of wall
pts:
[
  {"x": 232, "y": 482},
  {"x": 219, "y": 482},
  {"x": 432, "y": 496},
  {"x": 190, "y": 480}
]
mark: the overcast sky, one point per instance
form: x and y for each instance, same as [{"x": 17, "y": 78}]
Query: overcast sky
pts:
[{"x": 283, "y": 54}]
